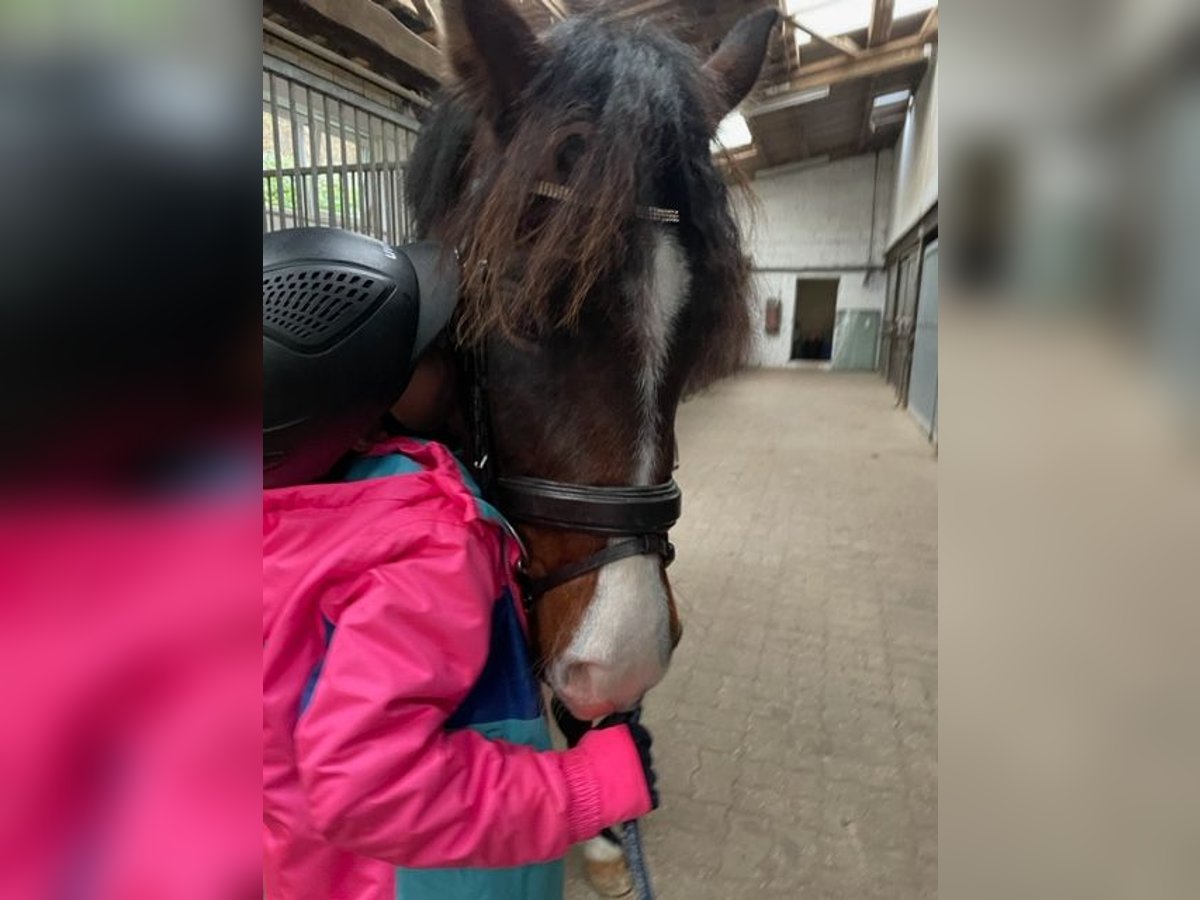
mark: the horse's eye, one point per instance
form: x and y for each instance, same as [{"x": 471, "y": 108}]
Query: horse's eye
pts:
[
  {"x": 528, "y": 333},
  {"x": 569, "y": 152}
]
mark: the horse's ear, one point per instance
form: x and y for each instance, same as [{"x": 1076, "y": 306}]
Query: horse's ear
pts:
[
  {"x": 734, "y": 66},
  {"x": 491, "y": 48}
]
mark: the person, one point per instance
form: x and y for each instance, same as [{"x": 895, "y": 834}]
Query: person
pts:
[{"x": 406, "y": 749}]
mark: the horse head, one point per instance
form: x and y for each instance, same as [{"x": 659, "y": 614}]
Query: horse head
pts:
[{"x": 555, "y": 165}]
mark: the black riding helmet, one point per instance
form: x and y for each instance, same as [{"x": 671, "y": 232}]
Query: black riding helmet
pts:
[{"x": 345, "y": 318}]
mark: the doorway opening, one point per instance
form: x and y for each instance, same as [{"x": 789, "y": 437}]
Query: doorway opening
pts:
[{"x": 816, "y": 310}]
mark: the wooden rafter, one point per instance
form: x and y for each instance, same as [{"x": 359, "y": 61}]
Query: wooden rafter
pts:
[
  {"x": 880, "y": 28},
  {"x": 274, "y": 29},
  {"x": 896, "y": 55},
  {"x": 841, "y": 44},
  {"x": 375, "y": 32},
  {"x": 929, "y": 26}
]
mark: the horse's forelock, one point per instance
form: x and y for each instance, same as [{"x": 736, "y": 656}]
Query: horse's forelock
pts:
[{"x": 533, "y": 263}]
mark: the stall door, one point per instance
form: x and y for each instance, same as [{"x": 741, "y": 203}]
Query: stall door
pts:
[
  {"x": 884, "y": 360},
  {"x": 923, "y": 382},
  {"x": 900, "y": 339}
]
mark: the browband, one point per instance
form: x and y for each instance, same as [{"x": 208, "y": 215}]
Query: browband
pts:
[{"x": 565, "y": 194}]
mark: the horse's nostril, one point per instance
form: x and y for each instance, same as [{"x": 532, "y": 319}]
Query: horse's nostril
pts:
[
  {"x": 578, "y": 676},
  {"x": 592, "y": 690}
]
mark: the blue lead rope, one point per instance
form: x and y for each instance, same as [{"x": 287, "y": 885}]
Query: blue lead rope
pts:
[
  {"x": 631, "y": 832},
  {"x": 631, "y": 838}
]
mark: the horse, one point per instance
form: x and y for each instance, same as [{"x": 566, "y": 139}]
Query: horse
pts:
[{"x": 603, "y": 279}]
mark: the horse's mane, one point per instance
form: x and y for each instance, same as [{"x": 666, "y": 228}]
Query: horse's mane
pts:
[{"x": 531, "y": 263}]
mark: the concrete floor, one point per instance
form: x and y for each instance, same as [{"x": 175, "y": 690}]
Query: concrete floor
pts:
[{"x": 796, "y": 734}]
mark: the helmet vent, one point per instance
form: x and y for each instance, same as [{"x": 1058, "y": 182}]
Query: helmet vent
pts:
[{"x": 311, "y": 307}]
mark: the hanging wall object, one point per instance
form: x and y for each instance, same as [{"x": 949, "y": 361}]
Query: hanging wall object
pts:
[{"x": 774, "y": 316}]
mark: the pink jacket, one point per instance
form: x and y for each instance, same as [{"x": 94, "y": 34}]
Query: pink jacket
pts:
[{"x": 378, "y": 602}]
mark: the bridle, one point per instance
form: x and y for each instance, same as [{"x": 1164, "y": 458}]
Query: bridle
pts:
[
  {"x": 564, "y": 194},
  {"x": 641, "y": 515}
]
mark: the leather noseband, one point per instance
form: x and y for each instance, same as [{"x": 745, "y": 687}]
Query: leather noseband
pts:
[{"x": 642, "y": 514}]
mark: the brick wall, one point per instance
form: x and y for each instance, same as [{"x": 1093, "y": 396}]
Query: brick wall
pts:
[{"x": 816, "y": 222}]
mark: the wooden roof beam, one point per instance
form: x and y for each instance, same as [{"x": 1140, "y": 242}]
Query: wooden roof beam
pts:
[
  {"x": 880, "y": 28},
  {"x": 370, "y": 31},
  {"x": 929, "y": 26},
  {"x": 842, "y": 45},
  {"x": 896, "y": 55}
]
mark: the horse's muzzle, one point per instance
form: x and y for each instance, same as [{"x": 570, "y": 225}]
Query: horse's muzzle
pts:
[{"x": 592, "y": 690}]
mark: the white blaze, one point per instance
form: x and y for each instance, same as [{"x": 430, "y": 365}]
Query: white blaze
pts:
[
  {"x": 655, "y": 326},
  {"x": 626, "y": 627}
]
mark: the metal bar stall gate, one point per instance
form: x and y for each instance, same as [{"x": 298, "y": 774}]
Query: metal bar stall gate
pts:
[{"x": 333, "y": 157}]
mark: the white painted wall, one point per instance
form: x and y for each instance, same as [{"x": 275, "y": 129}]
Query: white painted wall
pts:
[
  {"x": 916, "y": 188},
  {"x": 821, "y": 215},
  {"x": 824, "y": 221}
]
